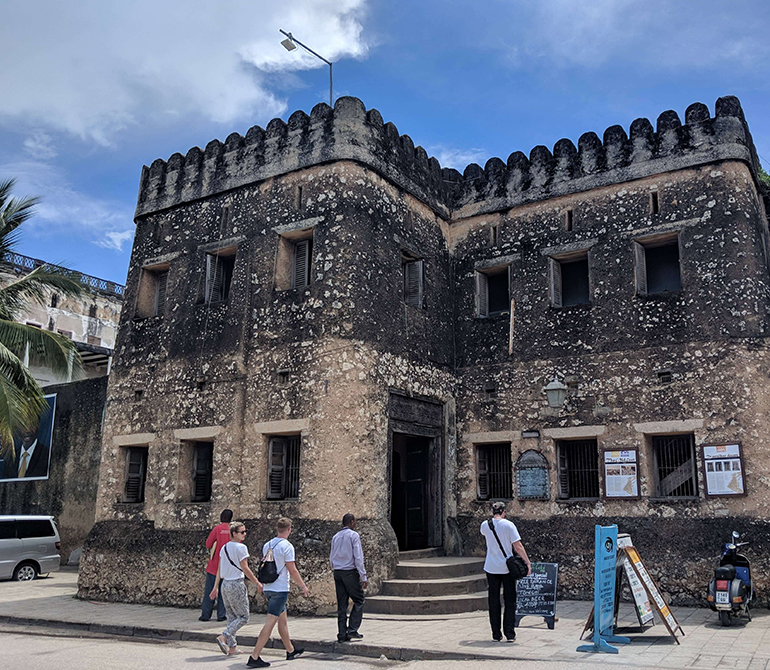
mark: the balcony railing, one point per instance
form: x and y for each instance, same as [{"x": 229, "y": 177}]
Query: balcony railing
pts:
[{"x": 20, "y": 264}]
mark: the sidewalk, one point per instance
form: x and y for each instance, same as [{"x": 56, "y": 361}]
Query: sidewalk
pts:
[{"x": 50, "y": 602}]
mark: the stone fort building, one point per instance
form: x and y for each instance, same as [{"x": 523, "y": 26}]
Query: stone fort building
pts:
[{"x": 320, "y": 319}]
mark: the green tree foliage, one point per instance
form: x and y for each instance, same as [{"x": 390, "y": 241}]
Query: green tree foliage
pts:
[
  {"x": 21, "y": 398},
  {"x": 764, "y": 181}
]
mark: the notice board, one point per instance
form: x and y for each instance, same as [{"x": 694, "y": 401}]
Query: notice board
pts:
[{"x": 536, "y": 593}]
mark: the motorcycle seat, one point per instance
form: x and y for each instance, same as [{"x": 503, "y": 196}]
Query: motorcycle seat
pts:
[{"x": 725, "y": 572}]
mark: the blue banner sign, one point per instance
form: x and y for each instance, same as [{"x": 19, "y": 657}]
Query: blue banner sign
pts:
[{"x": 605, "y": 555}]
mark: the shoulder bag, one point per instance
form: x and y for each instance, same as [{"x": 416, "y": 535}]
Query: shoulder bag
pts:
[
  {"x": 516, "y": 565},
  {"x": 267, "y": 573}
]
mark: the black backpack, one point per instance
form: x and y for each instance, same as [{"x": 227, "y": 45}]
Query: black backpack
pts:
[{"x": 267, "y": 573}]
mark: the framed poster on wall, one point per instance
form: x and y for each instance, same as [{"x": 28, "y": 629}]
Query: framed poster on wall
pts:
[
  {"x": 621, "y": 473},
  {"x": 723, "y": 470}
]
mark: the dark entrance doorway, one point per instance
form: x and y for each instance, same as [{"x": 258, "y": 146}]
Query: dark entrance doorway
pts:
[{"x": 410, "y": 483}]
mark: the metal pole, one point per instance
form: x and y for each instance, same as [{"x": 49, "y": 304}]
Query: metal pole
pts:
[
  {"x": 331, "y": 89},
  {"x": 309, "y": 50}
]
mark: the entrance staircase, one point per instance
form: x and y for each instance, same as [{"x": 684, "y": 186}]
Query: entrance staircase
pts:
[{"x": 428, "y": 582}]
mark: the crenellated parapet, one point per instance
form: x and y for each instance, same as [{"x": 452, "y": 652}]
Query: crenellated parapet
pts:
[
  {"x": 350, "y": 132},
  {"x": 347, "y": 132},
  {"x": 617, "y": 157}
]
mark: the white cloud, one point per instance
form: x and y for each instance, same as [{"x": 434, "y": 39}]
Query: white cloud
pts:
[
  {"x": 94, "y": 68},
  {"x": 454, "y": 157},
  {"x": 39, "y": 145},
  {"x": 115, "y": 240},
  {"x": 64, "y": 210}
]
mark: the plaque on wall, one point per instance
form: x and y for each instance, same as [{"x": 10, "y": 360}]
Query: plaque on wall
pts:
[
  {"x": 621, "y": 474},
  {"x": 723, "y": 470},
  {"x": 532, "y": 481}
]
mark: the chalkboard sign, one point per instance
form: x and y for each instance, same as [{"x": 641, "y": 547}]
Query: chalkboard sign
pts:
[{"x": 536, "y": 593}]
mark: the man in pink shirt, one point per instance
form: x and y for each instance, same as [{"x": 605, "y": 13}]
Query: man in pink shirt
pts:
[{"x": 219, "y": 536}]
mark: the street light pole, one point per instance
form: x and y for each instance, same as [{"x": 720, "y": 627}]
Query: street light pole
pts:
[{"x": 289, "y": 45}]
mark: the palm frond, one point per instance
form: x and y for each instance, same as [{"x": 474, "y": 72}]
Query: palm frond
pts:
[
  {"x": 13, "y": 212},
  {"x": 21, "y": 400},
  {"x": 46, "y": 348},
  {"x": 15, "y": 297}
]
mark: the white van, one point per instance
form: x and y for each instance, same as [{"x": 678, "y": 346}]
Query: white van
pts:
[{"x": 29, "y": 546}]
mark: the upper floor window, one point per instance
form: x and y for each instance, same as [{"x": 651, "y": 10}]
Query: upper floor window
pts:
[
  {"x": 283, "y": 467},
  {"x": 219, "y": 274},
  {"x": 493, "y": 291},
  {"x": 657, "y": 265},
  {"x": 301, "y": 261},
  {"x": 151, "y": 296},
  {"x": 295, "y": 260},
  {"x": 569, "y": 280},
  {"x": 413, "y": 270},
  {"x": 203, "y": 458}
]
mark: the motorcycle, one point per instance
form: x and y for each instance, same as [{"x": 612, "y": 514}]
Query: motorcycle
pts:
[{"x": 730, "y": 591}]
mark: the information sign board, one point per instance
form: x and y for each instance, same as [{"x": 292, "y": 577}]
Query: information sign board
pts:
[
  {"x": 723, "y": 467},
  {"x": 621, "y": 474},
  {"x": 536, "y": 593}
]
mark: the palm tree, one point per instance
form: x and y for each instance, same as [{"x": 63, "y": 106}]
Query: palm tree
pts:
[{"x": 21, "y": 398}]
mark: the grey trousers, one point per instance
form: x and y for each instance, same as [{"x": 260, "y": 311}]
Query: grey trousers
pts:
[{"x": 236, "y": 598}]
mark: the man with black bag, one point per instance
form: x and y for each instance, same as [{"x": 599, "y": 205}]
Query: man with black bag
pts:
[{"x": 506, "y": 562}]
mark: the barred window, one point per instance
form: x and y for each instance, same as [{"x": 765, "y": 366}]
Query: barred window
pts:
[
  {"x": 283, "y": 467},
  {"x": 674, "y": 459},
  {"x": 578, "y": 469},
  {"x": 494, "y": 477}
]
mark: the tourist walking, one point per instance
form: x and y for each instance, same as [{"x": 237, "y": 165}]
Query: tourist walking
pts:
[
  {"x": 347, "y": 559},
  {"x": 497, "y": 571},
  {"x": 233, "y": 567},
  {"x": 277, "y": 594},
  {"x": 218, "y": 538}
]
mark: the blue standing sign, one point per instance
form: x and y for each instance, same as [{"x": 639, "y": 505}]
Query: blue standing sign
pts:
[{"x": 605, "y": 554}]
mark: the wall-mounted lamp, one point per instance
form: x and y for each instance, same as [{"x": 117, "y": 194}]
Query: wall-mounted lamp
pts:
[
  {"x": 556, "y": 392},
  {"x": 290, "y": 44}
]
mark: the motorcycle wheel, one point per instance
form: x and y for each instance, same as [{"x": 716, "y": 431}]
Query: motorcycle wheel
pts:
[{"x": 724, "y": 618}]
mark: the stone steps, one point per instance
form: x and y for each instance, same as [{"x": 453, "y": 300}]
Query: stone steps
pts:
[{"x": 427, "y": 582}]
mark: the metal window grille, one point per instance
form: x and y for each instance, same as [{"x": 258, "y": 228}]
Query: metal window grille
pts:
[
  {"x": 283, "y": 467},
  {"x": 578, "y": 469},
  {"x": 675, "y": 466},
  {"x": 494, "y": 474}
]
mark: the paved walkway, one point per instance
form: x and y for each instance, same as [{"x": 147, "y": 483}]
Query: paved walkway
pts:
[{"x": 706, "y": 644}]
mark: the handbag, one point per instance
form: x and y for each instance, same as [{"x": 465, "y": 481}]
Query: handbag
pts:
[
  {"x": 515, "y": 563},
  {"x": 267, "y": 573}
]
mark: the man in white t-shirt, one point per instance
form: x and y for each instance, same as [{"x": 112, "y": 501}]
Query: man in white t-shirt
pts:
[
  {"x": 277, "y": 594},
  {"x": 497, "y": 571}
]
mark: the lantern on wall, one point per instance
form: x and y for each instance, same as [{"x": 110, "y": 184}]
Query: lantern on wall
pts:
[{"x": 556, "y": 392}]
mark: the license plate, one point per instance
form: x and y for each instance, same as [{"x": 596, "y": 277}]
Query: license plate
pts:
[{"x": 723, "y": 597}]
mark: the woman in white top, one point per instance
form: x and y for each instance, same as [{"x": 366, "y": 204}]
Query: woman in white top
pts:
[{"x": 233, "y": 567}]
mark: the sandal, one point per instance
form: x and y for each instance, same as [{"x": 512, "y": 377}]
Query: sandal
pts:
[{"x": 223, "y": 645}]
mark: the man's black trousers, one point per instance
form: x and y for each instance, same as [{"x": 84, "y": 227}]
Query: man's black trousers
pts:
[
  {"x": 348, "y": 586},
  {"x": 494, "y": 582}
]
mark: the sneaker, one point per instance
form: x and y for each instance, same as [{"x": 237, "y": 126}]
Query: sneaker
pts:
[
  {"x": 497, "y": 638},
  {"x": 297, "y": 651},
  {"x": 355, "y": 636},
  {"x": 200, "y": 618},
  {"x": 257, "y": 662},
  {"x": 510, "y": 639},
  {"x": 343, "y": 638},
  {"x": 220, "y": 618}
]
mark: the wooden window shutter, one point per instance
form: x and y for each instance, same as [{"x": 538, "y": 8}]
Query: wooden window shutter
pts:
[
  {"x": 482, "y": 294},
  {"x": 482, "y": 473},
  {"x": 202, "y": 472},
  {"x": 300, "y": 276},
  {"x": 161, "y": 282},
  {"x": 276, "y": 468},
  {"x": 563, "y": 472},
  {"x": 224, "y": 220},
  {"x": 136, "y": 465},
  {"x": 413, "y": 283},
  {"x": 555, "y": 277},
  {"x": 640, "y": 268},
  {"x": 213, "y": 278}
]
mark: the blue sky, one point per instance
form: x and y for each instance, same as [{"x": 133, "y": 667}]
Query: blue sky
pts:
[{"x": 93, "y": 90}]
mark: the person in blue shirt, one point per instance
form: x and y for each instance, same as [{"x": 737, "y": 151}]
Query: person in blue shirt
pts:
[{"x": 347, "y": 559}]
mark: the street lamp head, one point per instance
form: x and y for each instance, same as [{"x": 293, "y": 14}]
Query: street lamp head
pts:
[
  {"x": 556, "y": 392},
  {"x": 288, "y": 44}
]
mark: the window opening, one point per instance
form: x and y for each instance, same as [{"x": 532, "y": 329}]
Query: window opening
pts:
[
  {"x": 665, "y": 376},
  {"x": 298, "y": 196},
  {"x": 138, "y": 393},
  {"x": 494, "y": 474},
  {"x": 490, "y": 390},
  {"x": 569, "y": 282},
  {"x": 654, "y": 203},
  {"x": 55, "y": 300},
  {"x": 657, "y": 267},
  {"x": 568, "y": 220},
  {"x": 219, "y": 275},
  {"x": 283, "y": 467},
  {"x": 675, "y": 471},
  {"x": 302, "y": 257},
  {"x": 161, "y": 282},
  {"x": 224, "y": 220},
  {"x": 578, "y": 469},
  {"x": 494, "y": 235},
  {"x": 283, "y": 377},
  {"x": 414, "y": 281},
  {"x": 203, "y": 459},
  {"x": 92, "y": 311},
  {"x": 492, "y": 291},
  {"x": 136, "y": 474}
]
